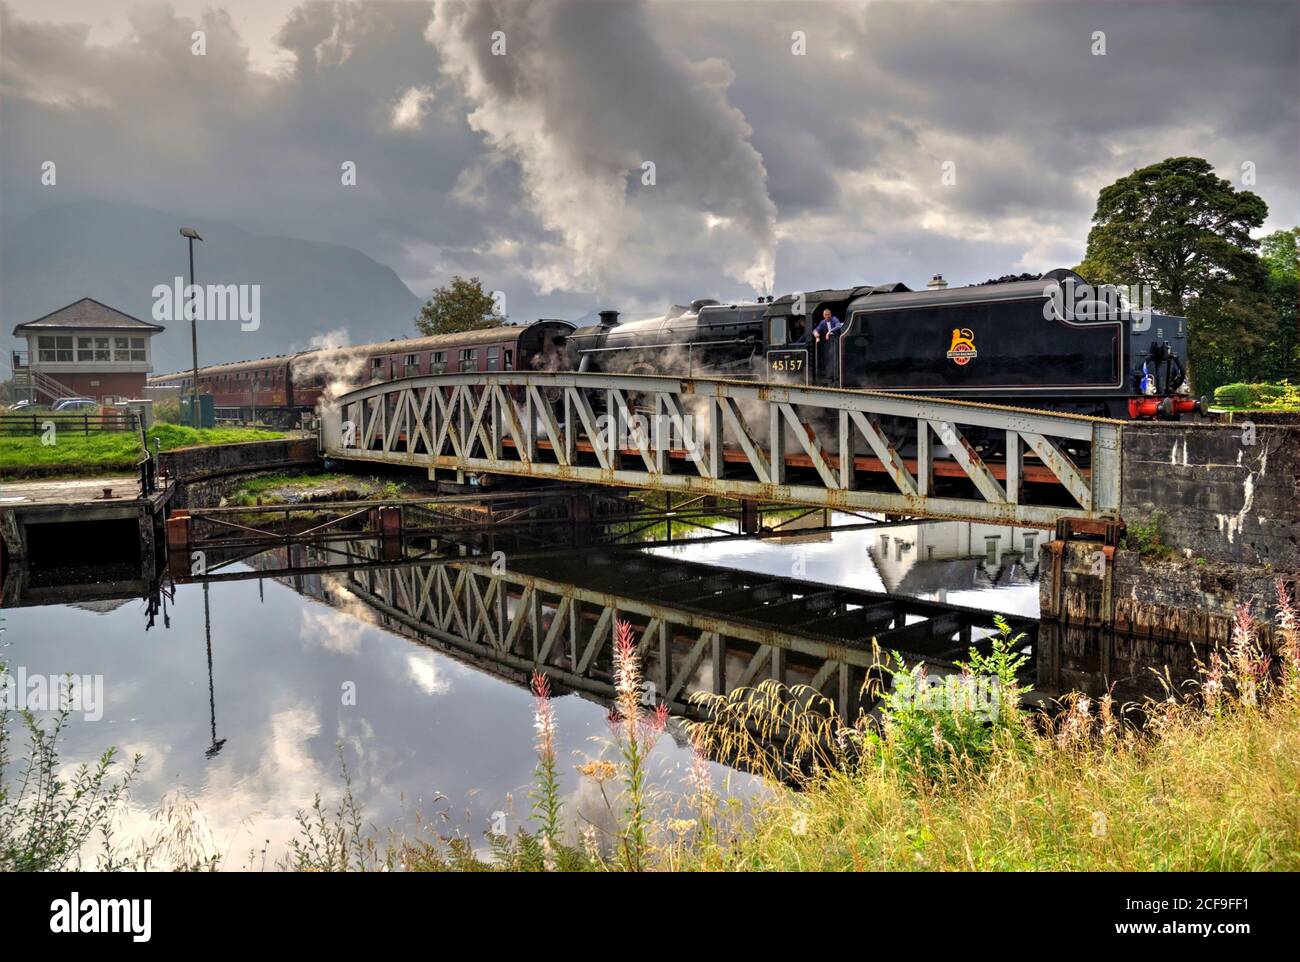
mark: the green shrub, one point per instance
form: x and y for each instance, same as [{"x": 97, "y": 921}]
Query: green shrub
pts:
[
  {"x": 1147, "y": 537},
  {"x": 1234, "y": 395},
  {"x": 168, "y": 411},
  {"x": 1282, "y": 396},
  {"x": 48, "y": 814}
]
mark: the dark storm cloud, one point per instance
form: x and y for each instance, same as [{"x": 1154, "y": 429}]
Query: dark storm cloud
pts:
[{"x": 509, "y": 167}]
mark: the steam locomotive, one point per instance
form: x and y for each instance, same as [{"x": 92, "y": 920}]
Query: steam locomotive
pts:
[
  {"x": 1049, "y": 342},
  {"x": 1018, "y": 343}
]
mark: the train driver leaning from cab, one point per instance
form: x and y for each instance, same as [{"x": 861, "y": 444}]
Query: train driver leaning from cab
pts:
[{"x": 829, "y": 325}]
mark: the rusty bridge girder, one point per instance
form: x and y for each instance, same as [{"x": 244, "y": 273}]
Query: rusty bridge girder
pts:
[{"x": 741, "y": 440}]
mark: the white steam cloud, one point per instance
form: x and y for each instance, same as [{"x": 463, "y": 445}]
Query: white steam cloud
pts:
[{"x": 580, "y": 95}]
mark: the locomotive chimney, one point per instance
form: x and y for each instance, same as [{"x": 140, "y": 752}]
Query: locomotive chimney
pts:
[
  {"x": 608, "y": 318},
  {"x": 937, "y": 283}
]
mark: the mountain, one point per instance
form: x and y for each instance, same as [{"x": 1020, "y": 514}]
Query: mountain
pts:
[{"x": 117, "y": 253}]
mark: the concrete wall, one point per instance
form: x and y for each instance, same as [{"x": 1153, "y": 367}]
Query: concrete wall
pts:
[
  {"x": 1224, "y": 495},
  {"x": 1229, "y": 502},
  {"x": 203, "y": 472},
  {"x": 1170, "y": 598}
]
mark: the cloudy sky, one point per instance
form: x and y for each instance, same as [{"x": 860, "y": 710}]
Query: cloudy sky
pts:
[{"x": 794, "y": 145}]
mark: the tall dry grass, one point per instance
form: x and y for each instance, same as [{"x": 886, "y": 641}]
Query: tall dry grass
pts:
[{"x": 1209, "y": 780}]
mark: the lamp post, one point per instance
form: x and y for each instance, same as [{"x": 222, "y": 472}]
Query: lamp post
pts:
[{"x": 192, "y": 235}]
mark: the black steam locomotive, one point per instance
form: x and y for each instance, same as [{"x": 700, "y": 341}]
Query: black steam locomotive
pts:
[{"x": 1050, "y": 342}]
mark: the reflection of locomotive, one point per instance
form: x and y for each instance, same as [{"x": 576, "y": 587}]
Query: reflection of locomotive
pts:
[{"x": 1003, "y": 343}]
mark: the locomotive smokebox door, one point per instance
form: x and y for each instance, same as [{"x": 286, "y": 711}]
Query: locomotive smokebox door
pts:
[{"x": 789, "y": 366}]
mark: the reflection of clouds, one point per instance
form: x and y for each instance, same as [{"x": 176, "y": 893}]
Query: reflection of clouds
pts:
[
  {"x": 237, "y": 812},
  {"x": 840, "y": 561},
  {"x": 245, "y": 809},
  {"x": 338, "y": 628},
  {"x": 847, "y": 560},
  {"x": 425, "y": 669}
]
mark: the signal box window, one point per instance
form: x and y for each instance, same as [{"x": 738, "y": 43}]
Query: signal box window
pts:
[
  {"x": 55, "y": 348},
  {"x": 93, "y": 349},
  {"x": 128, "y": 348}
]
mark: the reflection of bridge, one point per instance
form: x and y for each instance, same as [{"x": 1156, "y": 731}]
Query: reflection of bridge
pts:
[
  {"x": 909, "y": 455},
  {"x": 700, "y": 627}
]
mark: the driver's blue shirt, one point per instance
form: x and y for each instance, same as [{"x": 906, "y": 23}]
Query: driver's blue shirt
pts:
[{"x": 829, "y": 325}]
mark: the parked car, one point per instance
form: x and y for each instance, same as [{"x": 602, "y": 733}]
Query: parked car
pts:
[
  {"x": 22, "y": 405},
  {"x": 84, "y": 404}
]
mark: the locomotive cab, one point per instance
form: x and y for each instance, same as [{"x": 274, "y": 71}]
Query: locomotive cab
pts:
[{"x": 792, "y": 353}]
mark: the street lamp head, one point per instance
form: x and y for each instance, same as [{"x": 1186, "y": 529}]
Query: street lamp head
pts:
[{"x": 191, "y": 233}]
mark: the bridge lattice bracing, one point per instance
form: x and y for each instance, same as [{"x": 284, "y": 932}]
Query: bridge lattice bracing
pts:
[
  {"x": 699, "y": 627},
  {"x": 857, "y": 450}
]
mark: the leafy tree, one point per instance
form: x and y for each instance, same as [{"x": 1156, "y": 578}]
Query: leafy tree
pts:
[
  {"x": 461, "y": 306},
  {"x": 1185, "y": 231},
  {"x": 1176, "y": 226},
  {"x": 1280, "y": 252}
]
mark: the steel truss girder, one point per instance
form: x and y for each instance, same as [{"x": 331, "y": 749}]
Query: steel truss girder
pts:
[{"x": 707, "y": 436}]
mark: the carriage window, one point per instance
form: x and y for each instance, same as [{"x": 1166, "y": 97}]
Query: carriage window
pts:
[
  {"x": 469, "y": 359},
  {"x": 494, "y": 359},
  {"x": 510, "y": 360},
  {"x": 377, "y": 367},
  {"x": 437, "y": 362},
  {"x": 776, "y": 332},
  {"x": 412, "y": 365}
]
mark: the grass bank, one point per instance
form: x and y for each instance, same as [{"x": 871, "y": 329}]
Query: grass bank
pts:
[
  {"x": 1204, "y": 794},
  {"x": 106, "y": 452},
  {"x": 307, "y": 488}
]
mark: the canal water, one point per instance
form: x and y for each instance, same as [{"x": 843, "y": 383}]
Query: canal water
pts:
[{"x": 248, "y": 697}]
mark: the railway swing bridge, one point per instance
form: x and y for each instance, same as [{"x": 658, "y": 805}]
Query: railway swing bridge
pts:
[{"x": 850, "y": 450}]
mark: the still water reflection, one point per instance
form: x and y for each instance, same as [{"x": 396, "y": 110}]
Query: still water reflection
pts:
[
  {"x": 983, "y": 566},
  {"x": 240, "y": 693}
]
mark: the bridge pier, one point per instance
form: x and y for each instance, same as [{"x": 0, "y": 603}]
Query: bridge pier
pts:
[
  {"x": 750, "y": 518},
  {"x": 1212, "y": 521}
]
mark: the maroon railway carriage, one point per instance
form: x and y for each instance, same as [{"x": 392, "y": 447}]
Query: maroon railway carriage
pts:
[{"x": 280, "y": 390}]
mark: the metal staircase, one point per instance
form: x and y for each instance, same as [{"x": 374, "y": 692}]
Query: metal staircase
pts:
[{"x": 35, "y": 384}]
